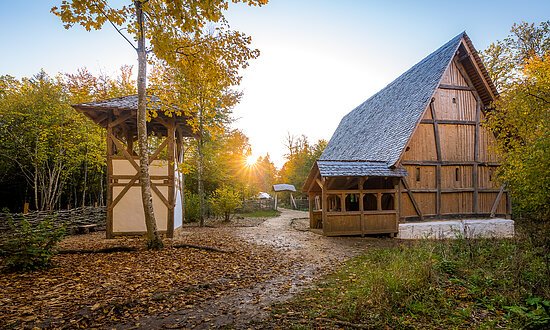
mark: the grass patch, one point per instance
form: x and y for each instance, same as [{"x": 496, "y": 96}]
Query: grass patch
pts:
[
  {"x": 260, "y": 214},
  {"x": 486, "y": 283}
]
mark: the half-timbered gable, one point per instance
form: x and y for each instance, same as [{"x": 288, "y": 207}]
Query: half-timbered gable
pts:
[{"x": 414, "y": 150}]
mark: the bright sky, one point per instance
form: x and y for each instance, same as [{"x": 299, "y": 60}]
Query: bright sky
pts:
[{"x": 319, "y": 58}]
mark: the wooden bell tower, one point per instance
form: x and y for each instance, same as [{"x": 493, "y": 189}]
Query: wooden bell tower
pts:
[{"x": 125, "y": 214}]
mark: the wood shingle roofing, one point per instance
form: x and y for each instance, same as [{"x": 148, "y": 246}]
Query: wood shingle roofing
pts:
[
  {"x": 101, "y": 112},
  {"x": 379, "y": 129},
  {"x": 335, "y": 168}
]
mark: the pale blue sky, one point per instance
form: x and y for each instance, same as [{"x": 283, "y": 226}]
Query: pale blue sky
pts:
[{"x": 319, "y": 59}]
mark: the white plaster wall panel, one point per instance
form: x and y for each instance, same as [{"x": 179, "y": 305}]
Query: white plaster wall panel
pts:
[{"x": 128, "y": 214}]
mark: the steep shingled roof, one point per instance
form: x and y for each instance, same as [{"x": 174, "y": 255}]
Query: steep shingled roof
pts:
[{"x": 379, "y": 129}]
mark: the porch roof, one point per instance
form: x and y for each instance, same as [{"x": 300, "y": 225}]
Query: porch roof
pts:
[{"x": 358, "y": 168}]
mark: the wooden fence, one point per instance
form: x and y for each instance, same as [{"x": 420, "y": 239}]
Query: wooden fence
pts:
[{"x": 71, "y": 219}]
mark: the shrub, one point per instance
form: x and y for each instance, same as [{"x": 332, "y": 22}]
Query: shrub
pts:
[
  {"x": 225, "y": 201},
  {"x": 30, "y": 247},
  {"x": 192, "y": 207}
]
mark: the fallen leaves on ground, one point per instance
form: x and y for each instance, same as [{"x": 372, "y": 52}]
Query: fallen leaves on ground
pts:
[{"x": 98, "y": 290}]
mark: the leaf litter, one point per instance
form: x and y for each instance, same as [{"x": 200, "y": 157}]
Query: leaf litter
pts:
[{"x": 174, "y": 287}]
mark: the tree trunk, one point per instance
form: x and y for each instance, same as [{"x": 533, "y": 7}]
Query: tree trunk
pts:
[
  {"x": 85, "y": 178},
  {"x": 200, "y": 180},
  {"x": 35, "y": 177},
  {"x": 181, "y": 176},
  {"x": 154, "y": 240}
]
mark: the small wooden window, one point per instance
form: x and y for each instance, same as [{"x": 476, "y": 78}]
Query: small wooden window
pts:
[
  {"x": 457, "y": 174},
  {"x": 491, "y": 172},
  {"x": 417, "y": 174},
  {"x": 370, "y": 202},
  {"x": 352, "y": 202},
  {"x": 387, "y": 202},
  {"x": 333, "y": 203},
  {"x": 454, "y": 100}
]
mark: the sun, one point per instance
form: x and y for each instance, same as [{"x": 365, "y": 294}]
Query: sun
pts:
[{"x": 250, "y": 160}]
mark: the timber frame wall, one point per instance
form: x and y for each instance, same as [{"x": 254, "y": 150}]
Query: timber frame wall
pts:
[
  {"x": 449, "y": 159},
  {"x": 120, "y": 147}
]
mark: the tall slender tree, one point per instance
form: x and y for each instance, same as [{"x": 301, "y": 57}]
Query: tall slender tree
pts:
[{"x": 165, "y": 24}]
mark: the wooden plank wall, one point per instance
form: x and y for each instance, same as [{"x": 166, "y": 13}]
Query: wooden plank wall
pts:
[{"x": 455, "y": 174}]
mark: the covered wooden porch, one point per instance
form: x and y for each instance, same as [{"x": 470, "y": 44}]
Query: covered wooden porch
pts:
[{"x": 354, "y": 204}]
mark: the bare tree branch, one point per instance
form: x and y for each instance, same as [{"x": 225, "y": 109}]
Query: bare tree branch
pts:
[{"x": 116, "y": 28}]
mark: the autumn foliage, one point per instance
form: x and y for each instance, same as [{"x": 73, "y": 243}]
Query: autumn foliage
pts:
[{"x": 520, "y": 120}]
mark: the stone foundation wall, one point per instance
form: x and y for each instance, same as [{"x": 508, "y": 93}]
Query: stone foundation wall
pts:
[{"x": 474, "y": 228}]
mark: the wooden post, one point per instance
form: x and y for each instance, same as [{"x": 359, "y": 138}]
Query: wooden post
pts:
[
  {"x": 181, "y": 176},
  {"x": 171, "y": 133},
  {"x": 476, "y": 159},
  {"x": 399, "y": 200},
  {"x": 508, "y": 205},
  {"x": 439, "y": 160},
  {"x": 411, "y": 196},
  {"x": 324, "y": 202},
  {"x": 362, "y": 206},
  {"x": 497, "y": 201},
  {"x": 397, "y": 204},
  {"x": 311, "y": 202},
  {"x": 275, "y": 207},
  {"x": 109, "y": 231}
]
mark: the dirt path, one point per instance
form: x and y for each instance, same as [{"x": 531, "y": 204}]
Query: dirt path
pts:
[{"x": 312, "y": 256}]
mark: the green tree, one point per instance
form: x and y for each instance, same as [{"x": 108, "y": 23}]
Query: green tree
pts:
[
  {"x": 520, "y": 120},
  {"x": 167, "y": 25},
  {"x": 504, "y": 59},
  {"x": 225, "y": 201},
  {"x": 300, "y": 159},
  {"x": 43, "y": 136}
]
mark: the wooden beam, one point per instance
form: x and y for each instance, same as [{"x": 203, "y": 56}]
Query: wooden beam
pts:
[
  {"x": 467, "y": 79},
  {"x": 455, "y": 87},
  {"x": 105, "y": 117},
  {"x": 451, "y": 122},
  {"x": 448, "y": 163},
  {"x": 319, "y": 182},
  {"x": 159, "y": 149},
  {"x": 439, "y": 160},
  {"x": 508, "y": 205},
  {"x": 171, "y": 136},
  {"x": 120, "y": 120},
  {"x": 129, "y": 177},
  {"x": 125, "y": 153},
  {"x": 361, "y": 206},
  {"x": 310, "y": 197},
  {"x": 324, "y": 204},
  {"x": 478, "y": 70},
  {"x": 109, "y": 229},
  {"x": 476, "y": 158},
  {"x": 497, "y": 201},
  {"x": 127, "y": 187},
  {"x": 160, "y": 195},
  {"x": 416, "y": 207},
  {"x": 162, "y": 122},
  {"x": 356, "y": 191},
  {"x": 399, "y": 203}
]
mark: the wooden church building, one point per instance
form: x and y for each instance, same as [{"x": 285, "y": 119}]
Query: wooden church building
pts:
[{"x": 415, "y": 150}]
